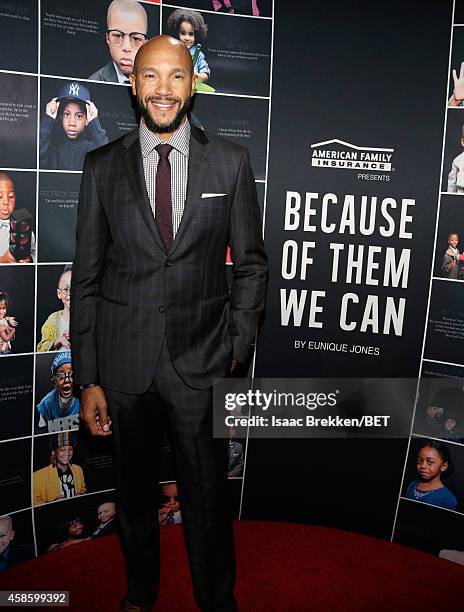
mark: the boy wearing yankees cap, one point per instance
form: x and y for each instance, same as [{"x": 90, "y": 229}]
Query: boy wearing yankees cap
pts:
[{"x": 69, "y": 129}]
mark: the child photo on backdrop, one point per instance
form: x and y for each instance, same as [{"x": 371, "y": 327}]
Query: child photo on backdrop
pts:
[
  {"x": 453, "y": 261},
  {"x": 169, "y": 512},
  {"x": 61, "y": 479},
  {"x": 17, "y": 240},
  {"x": 433, "y": 420},
  {"x": 433, "y": 464},
  {"x": 8, "y": 324},
  {"x": 69, "y": 129},
  {"x": 450, "y": 427},
  {"x": 190, "y": 28},
  {"x": 59, "y": 409},
  {"x": 127, "y": 26},
  {"x": 55, "y": 330},
  {"x": 456, "y": 175},
  {"x": 11, "y": 553}
]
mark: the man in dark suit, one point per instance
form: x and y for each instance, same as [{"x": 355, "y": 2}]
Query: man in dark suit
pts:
[{"x": 153, "y": 322}]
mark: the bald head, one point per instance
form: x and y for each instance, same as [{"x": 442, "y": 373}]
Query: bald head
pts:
[
  {"x": 127, "y": 9},
  {"x": 160, "y": 47}
]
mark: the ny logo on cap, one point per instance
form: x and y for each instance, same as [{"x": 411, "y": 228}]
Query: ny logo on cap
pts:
[{"x": 73, "y": 89}]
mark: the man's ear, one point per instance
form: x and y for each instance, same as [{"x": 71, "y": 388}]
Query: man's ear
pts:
[
  {"x": 194, "y": 80},
  {"x": 132, "y": 80}
]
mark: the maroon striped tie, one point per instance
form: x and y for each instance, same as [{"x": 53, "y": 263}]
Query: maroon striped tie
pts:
[{"x": 163, "y": 204}]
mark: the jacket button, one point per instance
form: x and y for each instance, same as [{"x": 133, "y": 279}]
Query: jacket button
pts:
[
  {"x": 168, "y": 263},
  {"x": 161, "y": 309}
]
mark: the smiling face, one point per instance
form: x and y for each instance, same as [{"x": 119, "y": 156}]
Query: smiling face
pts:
[
  {"x": 106, "y": 512},
  {"x": 7, "y": 198},
  {"x": 63, "y": 290},
  {"x": 453, "y": 240},
  {"x": 163, "y": 83},
  {"x": 430, "y": 464},
  {"x": 73, "y": 120},
  {"x": 123, "y": 55},
  {"x": 187, "y": 34},
  {"x": 6, "y": 533},
  {"x": 63, "y": 456},
  {"x": 75, "y": 529}
]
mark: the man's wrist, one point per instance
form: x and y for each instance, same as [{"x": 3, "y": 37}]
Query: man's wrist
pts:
[{"x": 87, "y": 386}]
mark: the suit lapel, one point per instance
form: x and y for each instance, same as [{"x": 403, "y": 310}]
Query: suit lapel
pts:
[
  {"x": 136, "y": 178},
  {"x": 197, "y": 171},
  {"x": 109, "y": 73}
]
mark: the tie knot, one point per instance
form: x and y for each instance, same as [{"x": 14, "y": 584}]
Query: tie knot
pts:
[{"x": 163, "y": 150}]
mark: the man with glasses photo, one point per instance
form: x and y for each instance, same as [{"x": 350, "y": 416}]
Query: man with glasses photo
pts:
[
  {"x": 127, "y": 31},
  {"x": 59, "y": 409}
]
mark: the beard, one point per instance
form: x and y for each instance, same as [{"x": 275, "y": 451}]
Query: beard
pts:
[{"x": 164, "y": 128}]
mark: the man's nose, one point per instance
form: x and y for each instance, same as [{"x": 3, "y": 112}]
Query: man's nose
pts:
[{"x": 164, "y": 86}]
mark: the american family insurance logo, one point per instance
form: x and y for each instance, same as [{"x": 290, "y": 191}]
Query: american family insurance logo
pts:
[{"x": 339, "y": 154}]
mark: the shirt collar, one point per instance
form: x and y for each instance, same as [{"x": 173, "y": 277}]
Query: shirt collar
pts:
[{"x": 180, "y": 140}]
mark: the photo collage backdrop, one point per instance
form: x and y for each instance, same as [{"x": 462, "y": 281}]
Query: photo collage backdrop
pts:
[
  {"x": 64, "y": 89},
  {"x": 432, "y": 520}
]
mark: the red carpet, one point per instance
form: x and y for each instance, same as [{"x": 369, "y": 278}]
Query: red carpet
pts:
[{"x": 281, "y": 566}]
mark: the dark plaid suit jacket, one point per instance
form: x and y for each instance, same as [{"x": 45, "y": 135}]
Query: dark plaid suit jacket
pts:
[{"x": 128, "y": 292}]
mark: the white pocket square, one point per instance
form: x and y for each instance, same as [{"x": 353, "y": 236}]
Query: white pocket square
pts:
[{"x": 212, "y": 195}]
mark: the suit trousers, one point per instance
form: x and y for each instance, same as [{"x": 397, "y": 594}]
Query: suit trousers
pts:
[{"x": 137, "y": 425}]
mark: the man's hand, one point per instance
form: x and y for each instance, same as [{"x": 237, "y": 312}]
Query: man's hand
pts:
[
  {"x": 458, "y": 92},
  {"x": 94, "y": 411},
  {"x": 52, "y": 108}
]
